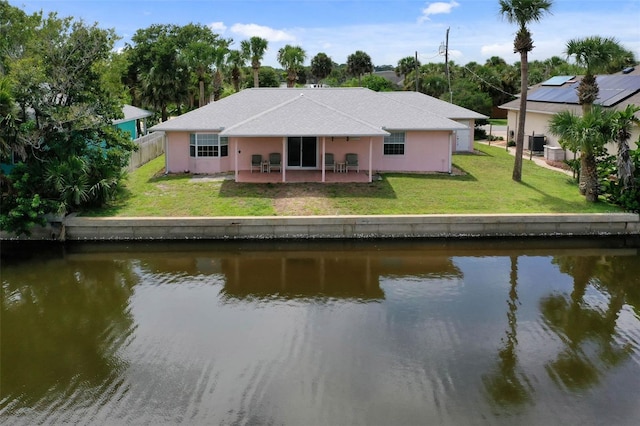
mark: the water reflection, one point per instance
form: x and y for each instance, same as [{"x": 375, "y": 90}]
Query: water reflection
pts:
[
  {"x": 322, "y": 333},
  {"x": 346, "y": 276},
  {"x": 507, "y": 386},
  {"x": 588, "y": 329},
  {"x": 62, "y": 324}
]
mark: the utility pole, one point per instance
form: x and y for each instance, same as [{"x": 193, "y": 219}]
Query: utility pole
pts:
[
  {"x": 446, "y": 64},
  {"x": 416, "y": 71}
]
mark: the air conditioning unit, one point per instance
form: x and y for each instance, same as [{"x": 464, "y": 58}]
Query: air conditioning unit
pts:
[{"x": 537, "y": 142}]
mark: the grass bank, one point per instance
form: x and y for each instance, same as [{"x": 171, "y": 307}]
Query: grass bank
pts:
[{"x": 485, "y": 187}]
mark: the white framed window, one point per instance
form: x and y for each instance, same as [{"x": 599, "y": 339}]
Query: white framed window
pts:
[
  {"x": 394, "y": 144},
  {"x": 208, "y": 145}
]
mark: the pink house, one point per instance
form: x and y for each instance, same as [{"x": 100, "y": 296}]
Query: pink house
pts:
[{"x": 304, "y": 129}]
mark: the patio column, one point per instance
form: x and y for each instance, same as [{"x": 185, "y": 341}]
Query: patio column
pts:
[
  {"x": 322, "y": 157},
  {"x": 284, "y": 159},
  {"x": 370, "y": 159},
  {"x": 450, "y": 150},
  {"x": 237, "y": 152},
  {"x": 165, "y": 141}
]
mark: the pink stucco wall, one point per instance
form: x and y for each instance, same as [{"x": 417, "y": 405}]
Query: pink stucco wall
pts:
[
  {"x": 178, "y": 159},
  {"x": 424, "y": 152},
  {"x": 250, "y": 146}
]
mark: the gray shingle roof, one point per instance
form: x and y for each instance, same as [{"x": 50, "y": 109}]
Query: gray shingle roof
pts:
[
  {"x": 325, "y": 111},
  {"x": 430, "y": 103},
  {"x": 312, "y": 119},
  {"x": 132, "y": 113}
]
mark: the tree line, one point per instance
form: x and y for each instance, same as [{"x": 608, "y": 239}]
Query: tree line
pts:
[{"x": 173, "y": 69}]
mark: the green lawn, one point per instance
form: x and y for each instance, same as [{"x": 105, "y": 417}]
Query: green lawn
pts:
[
  {"x": 485, "y": 188},
  {"x": 498, "y": 121}
]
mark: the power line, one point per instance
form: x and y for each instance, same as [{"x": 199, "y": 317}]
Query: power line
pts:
[
  {"x": 421, "y": 56},
  {"x": 487, "y": 83}
]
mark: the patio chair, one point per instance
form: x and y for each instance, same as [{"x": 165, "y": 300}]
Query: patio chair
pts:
[
  {"x": 351, "y": 161},
  {"x": 275, "y": 161},
  {"x": 256, "y": 162},
  {"x": 329, "y": 162}
]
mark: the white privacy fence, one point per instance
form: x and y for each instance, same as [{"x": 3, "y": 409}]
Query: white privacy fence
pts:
[{"x": 149, "y": 147}]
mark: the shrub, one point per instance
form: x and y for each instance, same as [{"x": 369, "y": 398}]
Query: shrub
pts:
[
  {"x": 612, "y": 188},
  {"x": 479, "y": 134},
  {"x": 574, "y": 165}
]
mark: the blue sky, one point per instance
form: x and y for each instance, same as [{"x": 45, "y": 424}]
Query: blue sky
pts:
[{"x": 386, "y": 29}]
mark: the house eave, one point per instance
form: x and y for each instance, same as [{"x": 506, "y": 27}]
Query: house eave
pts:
[
  {"x": 304, "y": 134},
  {"x": 187, "y": 129},
  {"x": 430, "y": 129},
  {"x": 124, "y": 120}
]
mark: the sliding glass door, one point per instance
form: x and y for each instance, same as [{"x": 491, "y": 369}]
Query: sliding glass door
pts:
[{"x": 302, "y": 152}]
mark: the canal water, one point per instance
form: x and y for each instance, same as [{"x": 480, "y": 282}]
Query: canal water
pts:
[{"x": 505, "y": 332}]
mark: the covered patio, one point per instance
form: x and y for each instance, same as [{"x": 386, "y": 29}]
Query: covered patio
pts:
[{"x": 293, "y": 176}]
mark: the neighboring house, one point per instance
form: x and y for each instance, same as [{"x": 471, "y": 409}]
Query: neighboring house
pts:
[
  {"x": 559, "y": 94},
  {"x": 397, "y": 81},
  {"x": 389, "y": 131},
  {"x": 134, "y": 121}
]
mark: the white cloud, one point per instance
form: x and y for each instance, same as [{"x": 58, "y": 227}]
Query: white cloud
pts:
[
  {"x": 218, "y": 27},
  {"x": 254, "y": 30},
  {"x": 455, "y": 54},
  {"x": 504, "y": 50},
  {"x": 437, "y": 8},
  {"x": 468, "y": 42}
]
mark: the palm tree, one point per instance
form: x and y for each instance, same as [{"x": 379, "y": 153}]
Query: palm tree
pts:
[
  {"x": 160, "y": 87},
  {"x": 198, "y": 58},
  {"x": 219, "y": 61},
  {"x": 291, "y": 58},
  {"x": 321, "y": 66},
  {"x": 587, "y": 134},
  {"x": 523, "y": 12},
  {"x": 254, "y": 48},
  {"x": 236, "y": 61},
  {"x": 621, "y": 59},
  {"x": 594, "y": 54},
  {"x": 622, "y": 123},
  {"x": 407, "y": 65},
  {"x": 359, "y": 63}
]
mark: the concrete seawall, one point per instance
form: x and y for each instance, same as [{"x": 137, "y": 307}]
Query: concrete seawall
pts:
[{"x": 341, "y": 227}]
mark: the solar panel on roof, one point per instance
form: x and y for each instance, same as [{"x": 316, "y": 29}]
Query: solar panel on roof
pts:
[
  {"x": 612, "y": 89},
  {"x": 558, "y": 80},
  {"x": 614, "y": 98},
  {"x": 565, "y": 95}
]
